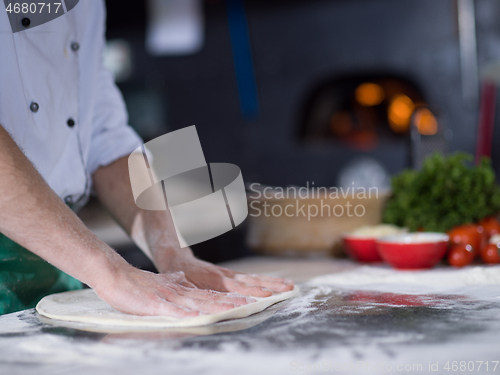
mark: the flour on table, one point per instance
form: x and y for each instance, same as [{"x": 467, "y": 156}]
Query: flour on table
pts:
[
  {"x": 479, "y": 275},
  {"x": 479, "y": 281}
]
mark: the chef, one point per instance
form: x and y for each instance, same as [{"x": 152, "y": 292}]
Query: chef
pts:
[{"x": 63, "y": 135}]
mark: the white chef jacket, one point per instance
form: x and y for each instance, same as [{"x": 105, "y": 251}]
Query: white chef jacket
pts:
[{"x": 57, "y": 101}]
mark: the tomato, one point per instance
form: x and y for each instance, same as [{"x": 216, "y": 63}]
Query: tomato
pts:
[
  {"x": 491, "y": 226},
  {"x": 461, "y": 255},
  {"x": 490, "y": 254},
  {"x": 467, "y": 234}
]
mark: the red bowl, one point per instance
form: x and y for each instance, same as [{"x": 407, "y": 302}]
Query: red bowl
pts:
[
  {"x": 413, "y": 250},
  {"x": 361, "y": 249}
]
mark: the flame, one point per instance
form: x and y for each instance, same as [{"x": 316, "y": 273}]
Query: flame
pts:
[
  {"x": 425, "y": 121},
  {"x": 399, "y": 113},
  {"x": 369, "y": 94}
]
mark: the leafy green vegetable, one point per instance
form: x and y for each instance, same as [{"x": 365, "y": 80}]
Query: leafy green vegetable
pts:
[{"x": 445, "y": 193}]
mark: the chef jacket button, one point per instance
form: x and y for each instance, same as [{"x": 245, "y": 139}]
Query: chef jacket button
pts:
[
  {"x": 68, "y": 199},
  {"x": 34, "y": 107},
  {"x": 25, "y": 22},
  {"x": 71, "y": 122},
  {"x": 75, "y": 46}
]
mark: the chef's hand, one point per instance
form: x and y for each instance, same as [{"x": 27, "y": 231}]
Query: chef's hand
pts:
[
  {"x": 205, "y": 275},
  {"x": 138, "y": 292},
  {"x": 154, "y": 233}
]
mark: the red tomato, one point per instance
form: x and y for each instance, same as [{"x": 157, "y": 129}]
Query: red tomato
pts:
[
  {"x": 461, "y": 255},
  {"x": 467, "y": 234},
  {"x": 491, "y": 225},
  {"x": 490, "y": 254}
]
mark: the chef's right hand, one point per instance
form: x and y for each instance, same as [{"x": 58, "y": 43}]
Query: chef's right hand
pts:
[{"x": 139, "y": 292}]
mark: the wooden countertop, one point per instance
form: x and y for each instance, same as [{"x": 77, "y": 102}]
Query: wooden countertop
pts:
[{"x": 296, "y": 269}]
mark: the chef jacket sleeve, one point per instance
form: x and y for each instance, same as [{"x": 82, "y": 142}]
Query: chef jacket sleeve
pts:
[{"x": 111, "y": 138}]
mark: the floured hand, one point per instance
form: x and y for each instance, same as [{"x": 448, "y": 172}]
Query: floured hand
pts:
[
  {"x": 138, "y": 292},
  {"x": 205, "y": 276}
]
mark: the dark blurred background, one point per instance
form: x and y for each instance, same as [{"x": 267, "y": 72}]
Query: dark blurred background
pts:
[{"x": 293, "y": 91}]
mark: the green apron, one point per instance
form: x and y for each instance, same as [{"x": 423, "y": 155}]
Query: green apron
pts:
[{"x": 25, "y": 278}]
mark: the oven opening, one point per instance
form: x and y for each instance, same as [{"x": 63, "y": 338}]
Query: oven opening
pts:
[{"x": 364, "y": 111}]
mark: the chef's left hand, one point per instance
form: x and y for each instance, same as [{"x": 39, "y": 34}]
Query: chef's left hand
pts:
[{"x": 205, "y": 275}]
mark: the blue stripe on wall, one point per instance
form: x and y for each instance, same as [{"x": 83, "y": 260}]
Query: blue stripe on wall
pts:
[{"x": 242, "y": 56}]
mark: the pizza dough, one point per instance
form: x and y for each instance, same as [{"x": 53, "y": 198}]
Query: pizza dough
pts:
[{"x": 84, "y": 306}]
